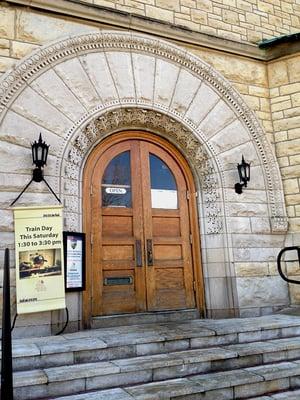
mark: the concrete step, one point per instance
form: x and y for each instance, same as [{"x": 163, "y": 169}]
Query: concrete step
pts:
[
  {"x": 144, "y": 318},
  {"x": 234, "y": 384},
  {"x": 138, "y": 370},
  {"x": 108, "y": 344}
]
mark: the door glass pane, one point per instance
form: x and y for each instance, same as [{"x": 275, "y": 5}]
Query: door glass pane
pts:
[
  {"x": 163, "y": 185},
  {"x": 116, "y": 182}
]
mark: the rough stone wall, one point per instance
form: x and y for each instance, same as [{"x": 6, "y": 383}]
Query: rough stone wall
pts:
[
  {"x": 284, "y": 80},
  {"x": 240, "y": 20}
]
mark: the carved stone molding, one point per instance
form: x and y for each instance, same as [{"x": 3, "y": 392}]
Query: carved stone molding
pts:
[
  {"x": 43, "y": 59},
  {"x": 162, "y": 124}
]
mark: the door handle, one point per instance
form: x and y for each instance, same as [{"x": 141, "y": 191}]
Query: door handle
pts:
[
  {"x": 149, "y": 253},
  {"x": 138, "y": 253}
]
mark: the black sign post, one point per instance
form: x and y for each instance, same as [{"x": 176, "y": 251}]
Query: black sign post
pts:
[{"x": 6, "y": 351}]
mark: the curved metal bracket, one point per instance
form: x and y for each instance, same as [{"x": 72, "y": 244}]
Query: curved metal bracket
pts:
[{"x": 280, "y": 254}]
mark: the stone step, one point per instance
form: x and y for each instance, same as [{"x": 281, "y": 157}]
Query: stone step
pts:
[
  {"x": 227, "y": 385},
  {"x": 138, "y": 370},
  {"x": 286, "y": 395},
  {"x": 108, "y": 321},
  {"x": 138, "y": 340}
]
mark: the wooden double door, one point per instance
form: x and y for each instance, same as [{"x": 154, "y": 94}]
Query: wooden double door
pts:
[{"x": 139, "y": 223}]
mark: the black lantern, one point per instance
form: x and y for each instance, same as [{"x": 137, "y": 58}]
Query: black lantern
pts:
[
  {"x": 244, "y": 175},
  {"x": 39, "y": 151},
  {"x": 39, "y": 158}
]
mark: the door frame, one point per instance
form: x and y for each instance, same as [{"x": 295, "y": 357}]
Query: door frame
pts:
[{"x": 192, "y": 207}]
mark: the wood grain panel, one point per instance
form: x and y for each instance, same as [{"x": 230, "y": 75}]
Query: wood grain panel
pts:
[
  {"x": 117, "y": 225},
  {"x": 117, "y": 253},
  {"x": 167, "y": 252},
  {"x": 169, "y": 278},
  {"x": 163, "y": 226}
]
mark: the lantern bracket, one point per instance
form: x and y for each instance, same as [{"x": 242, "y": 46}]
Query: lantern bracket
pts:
[{"x": 39, "y": 158}]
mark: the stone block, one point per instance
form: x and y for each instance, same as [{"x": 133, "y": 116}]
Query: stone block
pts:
[
  {"x": 222, "y": 394},
  {"x": 278, "y": 74},
  {"x": 121, "y": 379},
  {"x": 56, "y": 92},
  {"x": 144, "y": 68},
  {"x": 288, "y": 148},
  {"x": 155, "y": 348},
  {"x": 21, "y": 49},
  {"x": 72, "y": 73},
  {"x": 110, "y": 353},
  {"x": 276, "y": 371},
  {"x": 72, "y": 372},
  {"x": 219, "y": 117},
  {"x": 214, "y": 340},
  {"x": 159, "y": 13},
  {"x": 186, "y": 88},
  {"x": 261, "y": 291},
  {"x": 40, "y": 28},
  {"x": 168, "y": 4},
  {"x": 291, "y": 185},
  {"x": 226, "y": 139},
  {"x": 207, "y": 98},
  {"x": 260, "y": 225},
  {"x": 256, "y": 389},
  {"x": 120, "y": 65},
  {"x": 165, "y": 82},
  {"x": 239, "y": 225},
  {"x": 291, "y": 171},
  {"x": 6, "y": 63},
  {"x": 180, "y": 370},
  {"x": 258, "y": 241},
  {"x": 7, "y": 17},
  {"x": 293, "y": 68},
  {"x": 4, "y": 47},
  {"x": 238, "y": 362},
  {"x": 251, "y": 269},
  {"x": 199, "y": 16},
  {"x": 289, "y": 89}
]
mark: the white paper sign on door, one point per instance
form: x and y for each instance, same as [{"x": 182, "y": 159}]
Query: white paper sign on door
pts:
[{"x": 166, "y": 199}]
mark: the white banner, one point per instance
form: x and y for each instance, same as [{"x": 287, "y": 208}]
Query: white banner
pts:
[{"x": 39, "y": 259}]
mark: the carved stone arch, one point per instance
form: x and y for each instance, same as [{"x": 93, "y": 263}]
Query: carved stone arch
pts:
[
  {"x": 112, "y": 121},
  {"x": 21, "y": 79}
]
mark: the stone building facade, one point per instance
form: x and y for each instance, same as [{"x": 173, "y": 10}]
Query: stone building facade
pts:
[{"x": 188, "y": 71}]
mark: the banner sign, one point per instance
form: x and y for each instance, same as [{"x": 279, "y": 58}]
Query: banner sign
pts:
[
  {"x": 39, "y": 259},
  {"x": 74, "y": 247}
]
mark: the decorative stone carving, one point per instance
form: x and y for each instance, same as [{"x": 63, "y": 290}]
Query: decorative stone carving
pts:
[
  {"x": 139, "y": 118},
  {"x": 45, "y": 58}
]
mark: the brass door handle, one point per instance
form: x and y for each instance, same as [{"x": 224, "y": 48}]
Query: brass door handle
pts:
[
  {"x": 138, "y": 253},
  {"x": 149, "y": 253}
]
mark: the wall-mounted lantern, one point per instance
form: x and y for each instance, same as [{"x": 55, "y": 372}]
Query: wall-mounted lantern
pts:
[
  {"x": 39, "y": 158},
  {"x": 244, "y": 175},
  {"x": 39, "y": 151}
]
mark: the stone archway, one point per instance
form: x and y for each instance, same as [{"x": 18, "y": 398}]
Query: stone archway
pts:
[{"x": 83, "y": 88}]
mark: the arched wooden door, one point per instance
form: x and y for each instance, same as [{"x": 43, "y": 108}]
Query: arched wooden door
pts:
[{"x": 138, "y": 219}]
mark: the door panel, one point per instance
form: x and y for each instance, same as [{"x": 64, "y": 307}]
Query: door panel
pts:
[
  {"x": 170, "y": 279},
  {"x": 141, "y": 235},
  {"x": 118, "y": 225}
]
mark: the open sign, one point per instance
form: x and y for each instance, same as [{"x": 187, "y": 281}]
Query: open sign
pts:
[{"x": 115, "y": 190}]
